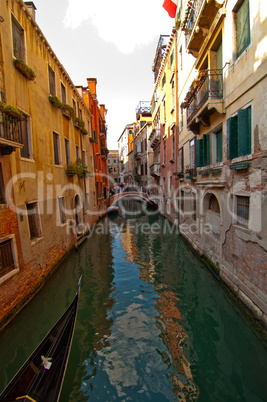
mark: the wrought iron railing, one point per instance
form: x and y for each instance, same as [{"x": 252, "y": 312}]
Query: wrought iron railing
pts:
[
  {"x": 143, "y": 108},
  {"x": 10, "y": 128},
  {"x": 192, "y": 18},
  {"x": 209, "y": 87}
]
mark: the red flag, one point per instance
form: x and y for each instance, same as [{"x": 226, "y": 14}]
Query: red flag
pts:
[{"x": 171, "y": 7}]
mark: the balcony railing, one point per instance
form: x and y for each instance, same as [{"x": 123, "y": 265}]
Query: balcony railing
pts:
[
  {"x": 208, "y": 88},
  {"x": 154, "y": 138},
  {"x": 143, "y": 108},
  {"x": 155, "y": 169},
  {"x": 10, "y": 131},
  {"x": 198, "y": 20}
]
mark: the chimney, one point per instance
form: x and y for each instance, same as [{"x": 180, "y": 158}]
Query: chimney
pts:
[
  {"x": 31, "y": 8},
  {"x": 91, "y": 82}
]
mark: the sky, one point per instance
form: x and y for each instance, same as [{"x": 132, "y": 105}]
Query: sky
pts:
[{"x": 113, "y": 41}]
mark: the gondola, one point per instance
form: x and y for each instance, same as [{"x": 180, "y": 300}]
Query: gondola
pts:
[{"x": 40, "y": 379}]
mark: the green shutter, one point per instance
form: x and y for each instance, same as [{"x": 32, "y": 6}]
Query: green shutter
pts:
[
  {"x": 244, "y": 131},
  {"x": 219, "y": 145},
  {"x": 242, "y": 27},
  {"x": 199, "y": 152},
  {"x": 206, "y": 158},
  {"x": 232, "y": 138}
]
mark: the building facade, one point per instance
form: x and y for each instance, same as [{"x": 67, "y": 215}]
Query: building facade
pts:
[
  {"x": 113, "y": 168},
  {"x": 221, "y": 155},
  {"x": 46, "y": 158}
]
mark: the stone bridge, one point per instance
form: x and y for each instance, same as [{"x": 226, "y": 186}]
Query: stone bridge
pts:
[{"x": 133, "y": 194}]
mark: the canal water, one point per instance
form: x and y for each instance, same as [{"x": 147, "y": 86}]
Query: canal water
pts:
[{"x": 153, "y": 322}]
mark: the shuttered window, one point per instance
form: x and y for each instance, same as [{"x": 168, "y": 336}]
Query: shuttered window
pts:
[
  {"x": 52, "y": 81},
  {"x": 219, "y": 146},
  {"x": 203, "y": 151},
  {"x": 25, "y": 132},
  {"x": 242, "y": 27},
  {"x": 34, "y": 220},
  {"x": 56, "y": 149},
  {"x": 239, "y": 134}
]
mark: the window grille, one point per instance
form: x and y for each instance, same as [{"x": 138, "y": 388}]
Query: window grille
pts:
[
  {"x": 242, "y": 210},
  {"x": 6, "y": 257}
]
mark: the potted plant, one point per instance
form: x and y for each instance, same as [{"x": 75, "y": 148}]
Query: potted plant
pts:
[
  {"x": 79, "y": 122},
  {"x": 70, "y": 170},
  {"x": 24, "y": 69},
  {"x": 12, "y": 112},
  {"x": 67, "y": 111},
  {"x": 84, "y": 131},
  {"x": 55, "y": 101},
  {"x": 91, "y": 139}
]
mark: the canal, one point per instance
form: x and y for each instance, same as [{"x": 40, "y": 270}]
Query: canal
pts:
[{"x": 153, "y": 323}]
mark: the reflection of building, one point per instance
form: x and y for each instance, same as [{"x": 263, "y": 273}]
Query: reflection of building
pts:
[
  {"x": 173, "y": 334},
  {"x": 113, "y": 167},
  {"x": 125, "y": 147},
  {"x": 169, "y": 320}
]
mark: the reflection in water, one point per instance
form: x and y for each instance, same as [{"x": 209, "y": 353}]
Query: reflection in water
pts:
[
  {"x": 169, "y": 322},
  {"x": 153, "y": 324}
]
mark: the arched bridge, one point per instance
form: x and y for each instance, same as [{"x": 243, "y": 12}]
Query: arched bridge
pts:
[{"x": 133, "y": 194}]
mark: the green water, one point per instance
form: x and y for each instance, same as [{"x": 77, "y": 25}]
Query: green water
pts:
[{"x": 153, "y": 323}]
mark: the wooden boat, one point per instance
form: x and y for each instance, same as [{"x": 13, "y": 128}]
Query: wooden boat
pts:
[
  {"x": 113, "y": 209},
  {"x": 40, "y": 379}
]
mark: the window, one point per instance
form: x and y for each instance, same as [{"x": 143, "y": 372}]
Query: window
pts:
[
  {"x": 18, "y": 40},
  {"x": 242, "y": 27},
  {"x": 115, "y": 161},
  {"x": 2, "y": 187},
  {"x": 192, "y": 153},
  {"x": 239, "y": 134},
  {"x": 180, "y": 163},
  {"x": 63, "y": 93},
  {"x": 87, "y": 201},
  {"x": 217, "y": 146},
  {"x": 67, "y": 150},
  {"x": 163, "y": 80},
  {"x": 182, "y": 202},
  {"x": 203, "y": 151},
  {"x": 34, "y": 220},
  {"x": 52, "y": 82},
  {"x": 242, "y": 210},
  {"x": 74, "y": 106},
  {"x": 194, "y": 212},
  {"x": 173, "y": 146},
  {"x": 170, "y": 183},
  {"x": 61, "y": 207},
  {"x": 25, "y": 152},
  {"x": 173, "y": 95},
  {"x": 56, "y": 149},
  {"x": 164, "y": 152},
  {"x": 77, "y": 152},
  {"x": 7, "y": 263},
  {"x": 84, "y": 158},
  {"x": 181, "y": 57}
]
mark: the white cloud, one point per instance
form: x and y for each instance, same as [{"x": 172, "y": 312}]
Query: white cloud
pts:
[{"x": 127, "y": 24}]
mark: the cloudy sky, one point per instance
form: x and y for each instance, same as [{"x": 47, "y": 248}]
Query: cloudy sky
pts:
[{"x": 114, "y": 41}]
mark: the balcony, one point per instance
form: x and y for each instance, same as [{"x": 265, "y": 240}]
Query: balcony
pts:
[
  {"x": 154, "y": 138},
  {"x": 104, "y": 153},
  {"x": 102, "y": 133},
  {"x": 10, "y": 133},
  {"x": 138, "y": 155},
  {"x": 199, "y": 17},
  {"x": 143, "y": 108},
  {"x": 155, "y": 169},
  {"x": 204, "y": 99}
]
